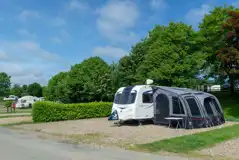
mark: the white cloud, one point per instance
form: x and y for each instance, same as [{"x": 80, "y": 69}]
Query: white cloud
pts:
[
  {"x": 58, "y": 21},
  {"x": 27, "y": 14},
  {"x": 56, "y": 40},
  {"x": 27, "y": 61},
  {"x": 116, "y": 18},
  {"x": 109, "y": 52},
  {"x": 195, "y": 15},
  {"x": 78, "y": 5},
  {"x": 25, "y": 33},
  {"x": 158, "y": 4}
]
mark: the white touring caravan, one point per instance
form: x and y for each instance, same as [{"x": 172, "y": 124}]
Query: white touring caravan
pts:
[
  {"x": 133, "y": 103},
  {"x": 26, "y": 102}
]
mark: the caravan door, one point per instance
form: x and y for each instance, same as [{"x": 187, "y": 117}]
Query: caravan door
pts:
[{"x": 144, "y": 109}]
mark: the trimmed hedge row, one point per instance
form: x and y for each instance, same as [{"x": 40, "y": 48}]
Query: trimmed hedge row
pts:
[{"x": 44, "y": 111}]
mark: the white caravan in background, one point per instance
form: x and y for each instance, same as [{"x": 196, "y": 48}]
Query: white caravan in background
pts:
[
  {"x": 132, "y": 103},
  {"x": 10, "y": 98},
  {"x": 26, "y": 102}
]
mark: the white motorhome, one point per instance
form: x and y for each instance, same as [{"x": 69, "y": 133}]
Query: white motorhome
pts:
[
  {"x": 26, "y": 102},
  {"x": 133, "y": 103}
]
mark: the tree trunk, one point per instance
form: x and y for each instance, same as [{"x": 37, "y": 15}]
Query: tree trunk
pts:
[{"x": 232, "y": 84}]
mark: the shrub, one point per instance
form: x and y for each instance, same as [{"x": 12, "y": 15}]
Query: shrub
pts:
[
  {"x": 8, "y": 104},
  {"x": 45, "y": 111}
]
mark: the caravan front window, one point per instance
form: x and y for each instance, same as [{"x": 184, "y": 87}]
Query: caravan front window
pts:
[
  {"x": 117, "y": 98},
  {"x": 125, "y": 98}
]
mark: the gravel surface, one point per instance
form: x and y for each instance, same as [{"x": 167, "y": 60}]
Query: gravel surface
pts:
[
  {"x": 228, "y": 149},
  {"x": 109, "y": 134}
]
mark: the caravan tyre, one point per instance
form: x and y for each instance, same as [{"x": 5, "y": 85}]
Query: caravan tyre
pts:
[
  {"x": 30, "y": 105},
  {"x": 119, "y": 123}
]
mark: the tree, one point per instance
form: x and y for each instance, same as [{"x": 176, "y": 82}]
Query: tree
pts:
[
  {"x": 229, "y": 54},
  {"x": 24, "y": 90},
  {"x": 88, "y": 81},
  {"x": 35, "y": 89},
  {"x": 174, "y": 57},
  {"x": 16, "y": 90},
  {"x": 54, "y": 91},
  {"x": 129, "y": 64},
  {"x": 5, "y": 84},
  {"x": 211, "y": 40}
]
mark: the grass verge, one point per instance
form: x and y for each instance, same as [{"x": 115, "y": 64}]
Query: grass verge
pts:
[
  {"x": 185, "y": 144},
  {"x": 16, "y": 123},
  {"x": 13, "y": 116}
]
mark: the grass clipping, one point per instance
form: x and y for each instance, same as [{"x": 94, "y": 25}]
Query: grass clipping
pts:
[{"x": 187, "y": 143}]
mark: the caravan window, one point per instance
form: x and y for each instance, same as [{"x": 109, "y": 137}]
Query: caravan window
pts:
[
  {"x": 177, "y": 106},
  {"x": 208, "y": 107},
  {"x": 193, "y": 107},
  {"x": 117, "y": 98},
  {"x": 147, "y": 97},
  {"x": 125, "y": 98}
]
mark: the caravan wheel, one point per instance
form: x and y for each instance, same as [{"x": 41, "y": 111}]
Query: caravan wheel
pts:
[{"x": 119, "y": 123}]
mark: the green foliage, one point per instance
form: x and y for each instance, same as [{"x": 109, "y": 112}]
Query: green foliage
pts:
[
  {"x": 184, "y": 144},
  {"x": 50, "y": 111},
  {"x": 128, "y": 65},
  {"x": 8, "y": 104},
  {"x": 16, "y": 90},
  {"x": 34, "y": 89},
  {"x": 173, "y": 58},
  {"x": 56, "y": 89},
  {"x": 5, "y": 84},
  {"x": 211, "y": 38}
]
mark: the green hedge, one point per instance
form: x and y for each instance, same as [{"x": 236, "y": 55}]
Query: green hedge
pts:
[
  {"x": 45, "y": 111},
  {"x": 8, "y": 104}
]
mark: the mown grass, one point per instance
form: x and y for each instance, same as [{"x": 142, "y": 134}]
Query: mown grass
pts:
[
  {"x": 13, "y": 116},
  {"x": 230, "y": 105},
  {"x": 185, "y": 144},
  {"x": 3, "y": 109},
  {"x": 16, "y": 123}
]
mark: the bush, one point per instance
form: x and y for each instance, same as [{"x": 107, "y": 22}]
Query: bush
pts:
[
  {"x": 8, "y": 104},
  {"x": 45, "y": 111}
]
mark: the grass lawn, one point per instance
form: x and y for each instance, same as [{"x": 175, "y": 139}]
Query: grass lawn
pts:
[
  {"x": 230, "y": 105},
  {"x": 185, "y": 144},
  {"x": 12, "y": 115},
  {"x": 3, "y": 109}
]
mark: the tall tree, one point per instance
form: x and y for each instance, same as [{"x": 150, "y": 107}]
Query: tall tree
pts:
[
  {"x": 211, "y": 39},
  {"x": 229, "y": 54},
  {"x": 173, "y": 58},
  {"x": 5, "y": 83},
  {"x": 129, "y": 64},
  {"x": 54, "y": 91},
  {"x": 16, "y": 90},
  {"x": 35, "y": 89},
  {"x": 24, "y": 90},
  {"x": 87, "y": 81}
]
